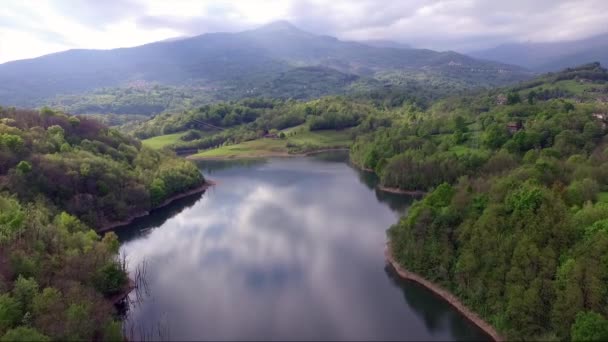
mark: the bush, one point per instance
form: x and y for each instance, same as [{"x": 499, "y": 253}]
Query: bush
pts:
[
  {"x": 24, "y": 334},
  {"x": 110, "y": 279}
]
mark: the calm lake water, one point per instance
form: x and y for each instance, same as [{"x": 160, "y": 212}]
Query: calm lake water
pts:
[{"x": 282, "y": 249}]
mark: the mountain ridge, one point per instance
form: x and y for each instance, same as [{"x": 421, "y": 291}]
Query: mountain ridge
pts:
[
  {"x": 228, "y": 61},
  {"x": 549, "y": 56}
]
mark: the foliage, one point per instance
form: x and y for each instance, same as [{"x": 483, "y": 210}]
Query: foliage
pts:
[
  {"x": 24, "y": 334},
  {"x": 59, "y": 176},
  {"x": 78, "y": 163},
  {"x": 590, "y": 326},
  {"x": 512, "y": 224}
]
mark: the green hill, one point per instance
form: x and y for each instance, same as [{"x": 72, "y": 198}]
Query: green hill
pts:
[{"x": 275, "y": 60}]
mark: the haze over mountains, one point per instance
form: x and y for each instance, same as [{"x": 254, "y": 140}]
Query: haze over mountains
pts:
[
  {"x": 550, "y": 56},
  {"x": 245, "y": 63}
]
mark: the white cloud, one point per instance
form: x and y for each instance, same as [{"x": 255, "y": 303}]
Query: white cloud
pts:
[{"x": 29, "y": 28}]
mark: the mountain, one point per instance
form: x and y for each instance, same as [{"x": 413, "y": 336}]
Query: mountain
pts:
[
  {"x": 385, "y": 44},
  {"x": 550, "y": 56},
  {"x": 235, "y": 65}
]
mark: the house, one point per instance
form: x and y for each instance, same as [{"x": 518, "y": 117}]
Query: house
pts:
[
  {"x": 514, "y": 127},
  {"x": 501, "y": 100},
  {"x": 270, "y": 135},
  {"x": 601, "y": 117}
]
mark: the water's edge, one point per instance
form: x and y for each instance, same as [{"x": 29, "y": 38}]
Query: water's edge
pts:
[
  {"x": 444, "y": 294},
  {"x": 130, "y": 219}
]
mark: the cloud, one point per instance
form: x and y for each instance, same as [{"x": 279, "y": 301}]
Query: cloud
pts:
[
  {"x": 98, "y": 13},
  {"x": 438, "y": 24}
]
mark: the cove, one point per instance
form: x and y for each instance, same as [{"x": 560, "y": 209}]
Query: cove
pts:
[{"x": 280, "y": 249}]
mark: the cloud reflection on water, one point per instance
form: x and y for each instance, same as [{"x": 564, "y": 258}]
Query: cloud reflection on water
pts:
[{"x": 275, "y": 252}]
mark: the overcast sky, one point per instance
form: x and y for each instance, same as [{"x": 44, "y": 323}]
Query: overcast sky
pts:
[{"x": 30, "y": 28}]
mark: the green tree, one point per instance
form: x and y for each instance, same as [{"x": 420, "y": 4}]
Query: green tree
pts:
[
  {"x": 495, "y": 136},
  {"x": 589, "y": 326},
  {"x": 24, "y": 334},
  {"x": 79, "y": 323},
  {"x": 157, "y": 191},
  {"x": 579, "y": 192},
  {"x": 24, "y": 291},
  {"x": 113, "y": 332},
  {"x": 110, "y": 278},
  {"x": 10, "y": 312},
  {"x": 513, "y": 98},
  {"x": 24, "y": 167},
  {"x": 45, "y": 301},
  {"x": 531, "y": 97}
]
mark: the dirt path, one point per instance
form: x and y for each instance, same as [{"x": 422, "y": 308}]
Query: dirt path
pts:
[{"x": 445, "y": 295}]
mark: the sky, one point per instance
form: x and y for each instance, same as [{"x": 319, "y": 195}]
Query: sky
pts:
[{"x": 31, "y": 28}]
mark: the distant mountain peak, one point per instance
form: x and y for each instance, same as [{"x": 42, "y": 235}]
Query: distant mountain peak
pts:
[{"x": 279, "y": 25}]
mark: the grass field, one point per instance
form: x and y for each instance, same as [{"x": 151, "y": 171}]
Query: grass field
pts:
[
  {"x": 572, "y": 86},
  {"x": 602, "y": 197},
  {"x": 266, "y": 147},
  {"x": 162, "y": 140}
]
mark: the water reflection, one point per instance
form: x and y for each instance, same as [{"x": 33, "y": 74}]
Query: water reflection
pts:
[{"x": 284, "y": 249}]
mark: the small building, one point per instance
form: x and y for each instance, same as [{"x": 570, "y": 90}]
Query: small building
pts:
[
  {"x": 602, "y": 118},
  {"x": 501, "y": 100},
  {"x": 514, "y": 127}
]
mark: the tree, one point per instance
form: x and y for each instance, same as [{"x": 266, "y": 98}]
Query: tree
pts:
[
  {"x": 46, "y": 301},
  {"x": 513, "y": 98},
  {"x": 113, "y": 332},
  {"x": 110, "y": 240},
  {"x": 10, "y": 313},
  {"x": 579, "y": 192},
  {"x": 157, "y": 191},
  {"x": 110, "y": 278},
  {"x": 531, "y": 97},
  {"x": 24, "y": 167},
  {"x": 495, "y": 136},
  {"x": 24, "y": 334},
  {"x": 79, "y": 324},
  {"x": 25, "y": 290},
  {"x": 589, "y": 326}
]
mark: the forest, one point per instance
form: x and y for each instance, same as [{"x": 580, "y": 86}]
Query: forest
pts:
[
  {"x": 514, "y": 222},
  {"x": 62, "y": 177}
]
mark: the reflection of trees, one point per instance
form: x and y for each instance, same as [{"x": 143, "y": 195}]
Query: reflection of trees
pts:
[
  {"x": 434, "y": 311},
  {"x": 338, "y": 156},
  {"x": 397, "y": 202},
  {"x": 157, "y": 217},
  {"x": 211, "y": 166}
]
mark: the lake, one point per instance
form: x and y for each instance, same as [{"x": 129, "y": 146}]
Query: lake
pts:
[{"x": 281, "y": 249}]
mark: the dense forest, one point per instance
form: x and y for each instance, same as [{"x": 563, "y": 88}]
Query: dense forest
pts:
[
  {"x": 515, "y": 220},
  {"x": 61, "y": 176}
]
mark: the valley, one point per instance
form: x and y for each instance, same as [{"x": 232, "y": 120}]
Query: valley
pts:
[{"x": 278, "y": 183}]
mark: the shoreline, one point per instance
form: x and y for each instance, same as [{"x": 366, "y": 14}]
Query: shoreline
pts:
[
  {"x": 130, "y": 219},
  {"x": 400, "y": 191},
  {"x": 267, "y": 154},
  {"x": 444, "y": 294}
]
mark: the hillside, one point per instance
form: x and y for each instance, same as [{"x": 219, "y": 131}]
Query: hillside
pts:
[
  {"x": 61, "y": 177},
  {"x": 514, "y": 222},
  {"x": 236, "y": 65},
  {"x": 549, "y": 56}
]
